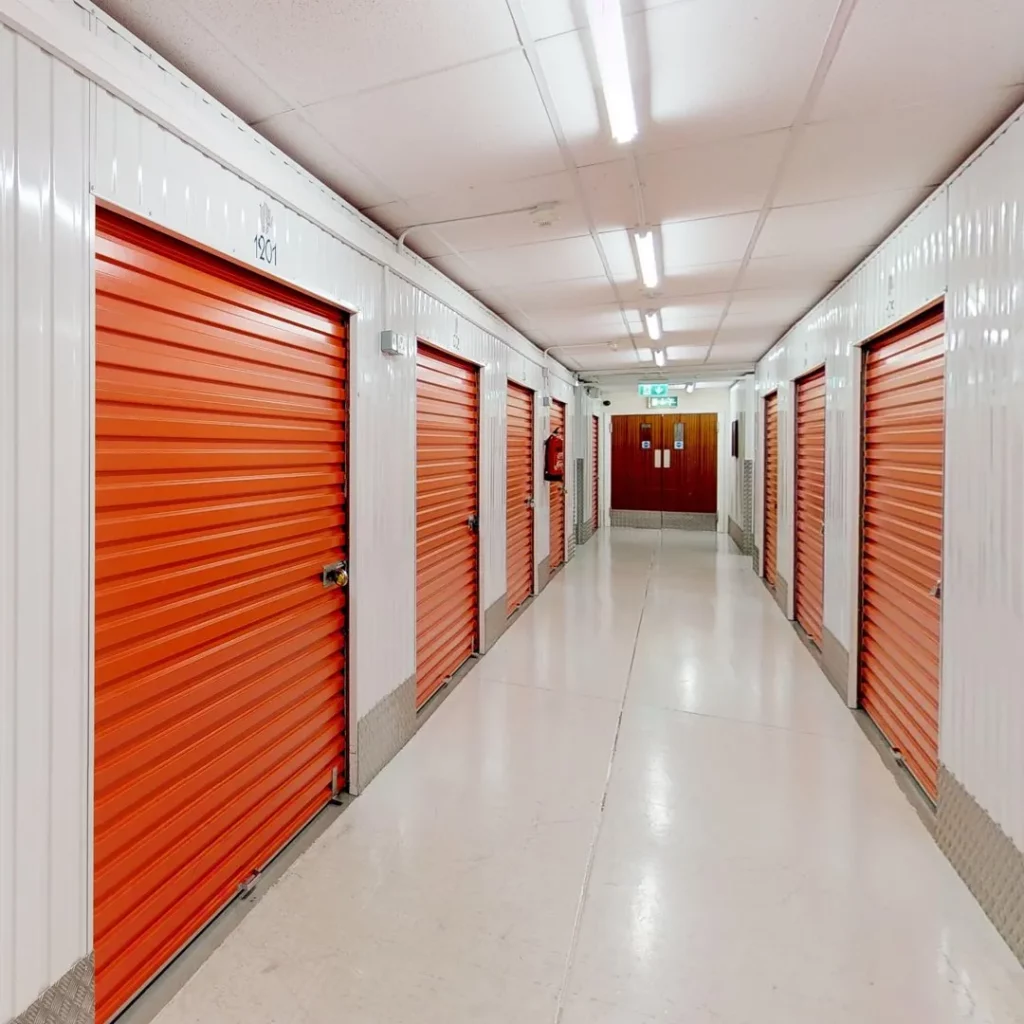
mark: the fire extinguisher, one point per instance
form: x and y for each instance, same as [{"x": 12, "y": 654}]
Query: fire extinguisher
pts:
[{"x": 554, "y": 458}]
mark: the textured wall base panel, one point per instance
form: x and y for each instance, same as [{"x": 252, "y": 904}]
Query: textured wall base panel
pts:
[
  {"x": 835, "y": 663},
  {"x": 782, "y": 594},
  {"x": 704, "y": 522},
  {"x": 586, "y": 531},
  {"x": 69, "y": 1001},
  {"x": 592, "y": 526},
  {"x": 636, "y": 520},
  {"x": 736, "y": 534},
  {"x": 747, "y": 505},
  {"x": 985, "y": 858},
  {"x": 543, "y": 573},
  {"x": 384, "y": 730},
  {"x": 495, "y": 623},
  {"x": 757, "y": 560}
]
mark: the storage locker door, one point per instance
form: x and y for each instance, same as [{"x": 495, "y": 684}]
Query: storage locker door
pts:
[
  {"x": 447, "y": 575},
  {"x": 221, "y": 450},
  {"x": 901, "y": 559},
  {"x": 771, "y": 485},
  {"x": 595, "y": 466},
  {"x": 809, "y": 582},
  {"x": 556, "y": 491},
  {"x": 519, "y": 497}
]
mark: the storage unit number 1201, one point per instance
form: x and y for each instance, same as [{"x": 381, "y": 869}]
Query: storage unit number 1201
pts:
[{"x": 266, "y": 249}]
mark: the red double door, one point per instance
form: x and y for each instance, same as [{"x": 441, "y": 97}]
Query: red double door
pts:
[{"x": 665, "y": 463}]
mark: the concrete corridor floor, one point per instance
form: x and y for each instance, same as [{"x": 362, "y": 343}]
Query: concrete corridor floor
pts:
[{"x": 645, "y": 804}]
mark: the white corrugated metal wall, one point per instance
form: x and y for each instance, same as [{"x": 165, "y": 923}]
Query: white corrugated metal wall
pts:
[
  {"x": 965, "y": 242},
  {"x": 982, "y": 706},
  {"x": 195, "y": 191},
  {"x": 45, "y": 298}
]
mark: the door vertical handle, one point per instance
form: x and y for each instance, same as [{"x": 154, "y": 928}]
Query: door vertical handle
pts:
[
  {"x": 657, "y": 458},
  {"x": 667, "y": 460}
]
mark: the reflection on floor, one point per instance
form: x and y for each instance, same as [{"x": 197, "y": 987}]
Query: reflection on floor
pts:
[{"x": 646, "y": 804}]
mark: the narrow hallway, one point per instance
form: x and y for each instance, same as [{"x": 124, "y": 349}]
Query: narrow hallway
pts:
[{"x": 645, "y": 804}]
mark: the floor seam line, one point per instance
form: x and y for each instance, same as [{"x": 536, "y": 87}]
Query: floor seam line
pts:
[{"x": 570, "y": 960}]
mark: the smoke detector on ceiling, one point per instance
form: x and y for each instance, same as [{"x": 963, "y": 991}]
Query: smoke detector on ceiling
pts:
[{"x": 545, "y": 214}]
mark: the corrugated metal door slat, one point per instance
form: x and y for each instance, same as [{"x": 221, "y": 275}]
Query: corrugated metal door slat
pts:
[
  {"x": 901, "y": 554},
  {"x": 809, "y": 575},
  {"x": 556, "y": 492},
  {"x": 519, "y": 497},
  {"x": 447, "y": 575},
  {"x": 221, "y": 439},
  {"x": 595, "y": 463},
  {"x": 771, "y": 485}
]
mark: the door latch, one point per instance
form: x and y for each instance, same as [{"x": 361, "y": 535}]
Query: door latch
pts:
[
  {"x": 531, "y": 503},
  {"x": 334, "y": 575},
  {"x": 936, "y": 591},
  {"x": 473, "y": 522}
]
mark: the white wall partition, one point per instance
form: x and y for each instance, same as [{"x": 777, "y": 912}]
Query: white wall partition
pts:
[
  {"x": 154, "y": 147},
  {"x": 966, "y": 243},
  {"x": 45, "y": 533}
]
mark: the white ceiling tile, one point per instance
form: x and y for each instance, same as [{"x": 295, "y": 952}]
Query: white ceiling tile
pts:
[
  {"x": 845, "y": 223},
  {"x": 728, "y": 353},
  {"x": 584, "y": 326},
  {"x": 557, "y": 296},
  {"x": 688, "y": 353},
  {"x": 322, "y": 49},
  {"x": 699, "y": 280},
  {"x": 618, "y": 251},
  {"x": 541, "y": 262},
  {"x": 697, "y": 314},
  {"x": 771, "y": 305},
  {"x": 919, "y": 51},
  {"x": 306, "y": 146},
  {"x": 818, "y": 271},
  {"x": 468, "y": 126},
  {"x": 609, "y": 193},
  {"x": 694, "y": 243},
  {"x": 461, "y": 272},
  {"x": 896, "y": 148},
  {"x": 731, "y": 67},
  {"x": 711, "y": 179},
  {"x": 552, "y": 17},
  {"x": 170, "y": 30}
]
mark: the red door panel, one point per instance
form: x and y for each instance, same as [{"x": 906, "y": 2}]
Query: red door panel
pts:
[
  {"x": 809, "y": 576},
  {"x": 221, "y": 455},
  {"x": 519, "y": 497},
  {"x": 901, "y": 554},
  {"x": 447, "y": 575},
  {"x": 771, "y": 486}
]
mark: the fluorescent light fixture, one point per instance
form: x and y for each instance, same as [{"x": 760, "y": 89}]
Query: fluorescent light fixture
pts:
[
  {"x": 609, "y": 36},
  {"x": 648, "y": 258},
  {"x": 653, "y": 322},
  {"x": 659, "y": 357},
  {"x": 691, "y": 387}
]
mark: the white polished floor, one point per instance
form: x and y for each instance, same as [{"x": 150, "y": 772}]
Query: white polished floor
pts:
[{"x": 645, "y": 804}]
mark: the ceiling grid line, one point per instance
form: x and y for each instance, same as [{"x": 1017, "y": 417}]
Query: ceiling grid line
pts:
[
  {"x": 533, "y": 59},
  {"x": 828, "y": 54}
]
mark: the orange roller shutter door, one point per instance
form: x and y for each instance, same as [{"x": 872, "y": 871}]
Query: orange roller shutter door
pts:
[
  {"x": 447, "y": 573},
  {"x": 771, "y": 486},
  {"x": 901, "y": 553},
  {"x": 519, "y": 497},
  {"x": 809, "y": 581},
  {"x": 556, "y": 491},
  {"x": 221, "y": 450}
]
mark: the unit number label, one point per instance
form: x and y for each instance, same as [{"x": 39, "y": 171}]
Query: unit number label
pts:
[{"x": 266, "y": 249}]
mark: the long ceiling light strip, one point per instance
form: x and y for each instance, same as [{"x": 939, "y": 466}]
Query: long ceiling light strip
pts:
[
  {"x": 653, "y": 322},
  {"x": 647, "y": 257},
  {"x": 609, "y": 37}
]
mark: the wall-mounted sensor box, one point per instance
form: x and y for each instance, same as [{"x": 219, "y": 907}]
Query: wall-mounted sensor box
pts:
[{"x": 392, "y": 343}]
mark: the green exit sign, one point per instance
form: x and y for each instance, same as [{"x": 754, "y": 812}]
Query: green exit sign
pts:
[
  {"x": 652, "y": 390},
  {"x": 663, "y": 402}
]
